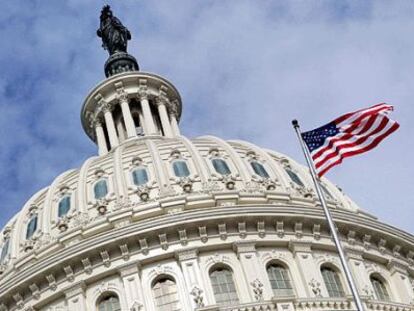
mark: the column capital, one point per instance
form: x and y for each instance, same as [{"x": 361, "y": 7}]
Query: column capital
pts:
[
  {"x": 173, "y": 108},
  {"x": 244, "y": 247},
  {"x": 78, "y": 288},
  {"x": 122, "y": 96},
  {"x": 129, "y": 269},
  {"x": 142, "y": 93},
  {"x": 187, "y": 254},
  {"x": 300, "y": 247},
  {"x": 161, "y": 100},
  {"x": 397, "y": 266}
]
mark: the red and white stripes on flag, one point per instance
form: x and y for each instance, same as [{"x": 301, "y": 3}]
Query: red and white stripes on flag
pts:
[{"x": 351, "y": 134}]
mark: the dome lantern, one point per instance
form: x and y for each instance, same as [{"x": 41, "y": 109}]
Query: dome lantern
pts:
[{"x": 129, "y": 103}]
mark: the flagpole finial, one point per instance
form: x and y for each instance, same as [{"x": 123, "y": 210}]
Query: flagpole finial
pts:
[{"x": 295, "y": 123}]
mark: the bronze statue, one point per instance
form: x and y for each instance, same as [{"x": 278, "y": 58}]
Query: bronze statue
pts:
[{"x": 114, "y": 35}]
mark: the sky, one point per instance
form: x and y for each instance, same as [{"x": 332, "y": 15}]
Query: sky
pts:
[{"x": 244, "y": 69}]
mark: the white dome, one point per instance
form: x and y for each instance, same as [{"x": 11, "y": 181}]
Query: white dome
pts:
[{"x": 161, "y": 222}]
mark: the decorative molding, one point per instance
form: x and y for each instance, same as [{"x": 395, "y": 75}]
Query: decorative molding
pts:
[
  {"x": 242, "y": 230},
  {"x": 183, "y": 237},
  {"x": 261, "y": 230},
  {"x": 163, "y": 241},
  {"x": 203, "y": 234},
  {"x": 106, "y": 260},
  {"x": 280, "y": 229},
  {"x": 35, "y": 291},
  {"x": 87, "y": 266},
  {"x": 70, "y": 276},
  {"x": 198, "y": 298},
  {"x": 52, "y": 282},
  {"x": 257, "y": 289},
  {"x": 144, "y": 246},
  {"x": 316, "y": 231},
  {"x": 222, "y": 231},
  {"x": 315, "y": 287},
  {"x": 124, "y": 251}
]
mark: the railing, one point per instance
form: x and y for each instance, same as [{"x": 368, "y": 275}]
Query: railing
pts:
[{"x": 311, "y": 304}]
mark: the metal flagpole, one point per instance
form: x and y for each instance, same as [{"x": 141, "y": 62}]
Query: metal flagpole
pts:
[{"x": 331, "y": 223}]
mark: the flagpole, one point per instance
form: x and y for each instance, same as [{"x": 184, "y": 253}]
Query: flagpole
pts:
[{"x": 331, "y": 223}]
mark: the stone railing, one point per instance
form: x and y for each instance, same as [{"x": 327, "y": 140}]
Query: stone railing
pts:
[{"x": 310, "y": 304}]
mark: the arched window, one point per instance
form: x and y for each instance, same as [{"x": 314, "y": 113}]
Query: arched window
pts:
[
  {"x": 380, "y": 290},
  {"x": 4, "y": 250},
  {"x": 64, "y": 206},
  {"x": 332, "y": 282},
  {"x": 294, "y": 177},
  {"x": 181, "y": 169},
  {"x": 221, "y": 166},
  {"x": 223, "y": 286},
  {"x": 100, "y": 189},
  {"x": 259, "y": 169},
  {"x": 31, "y": 227},
  {"x": 280, "y": 280},
  {"x": 140, "y": 176},
  {"x": 166, "y": 295},
  {"x": 109, "y": 303}
]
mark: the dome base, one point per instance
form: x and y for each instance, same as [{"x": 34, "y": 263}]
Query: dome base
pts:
[{"x": 120, "y": 62}]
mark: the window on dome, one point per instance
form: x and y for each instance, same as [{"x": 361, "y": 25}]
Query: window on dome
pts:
[
  {"x": 326, "y": 191},
  {"x": 31, "y": 227},
  {"x": 380, "y": 289},
  {"x": 223, "y": 286},
  {"x": 140, "y": 176},
  {"x": 294, "y": 177},
  {"x": 109, "y": 303},
  {"x": 100, "y": 189},
  {"x": 259, "y": 169},
  {"x": 332, "y": 282},
  {"x": 181, "y": 169},
  {"x": 4, "y": 250},
  {"x": 64, "y": 206},
  {"x": 221, "y": 166},
  {"x": 280, "y": 280},
  {"x": 166, "y": 295}
]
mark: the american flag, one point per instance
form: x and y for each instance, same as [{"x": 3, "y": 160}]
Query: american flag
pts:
[{"x": 351, "y": 134}]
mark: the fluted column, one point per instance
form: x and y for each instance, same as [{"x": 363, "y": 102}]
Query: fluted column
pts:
[
  {"x": 126, "y": 113},
  {"x": 162, "y": 111},
  {"x": 110, "y": 125},
  {"x": 100, "y": 137},
  {"x": 147, "y": 114},
  {"x": 174, "y": 117}
]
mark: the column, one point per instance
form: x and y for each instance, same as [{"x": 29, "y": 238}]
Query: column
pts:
[
  {"x": 133, "y": 287},
  {"x": 146, "y": 111},
  {"x": 100, "y": 137},
  {"x": 110, "y": 126},
  {"x": 356, "y": 264},
  {"x": 142, "y": 122},
  {"x": 193, "y": 280},
  {"x": 400, "y": 284},
  {"x": 126, "y": 113},
  {"x": 165, "y": 121},
  {"x": 253, "y": 270},
  {"x": 174, "y": 117},
  {"x": 311, "y": 280},
  {"x": 75, "y": 297}
]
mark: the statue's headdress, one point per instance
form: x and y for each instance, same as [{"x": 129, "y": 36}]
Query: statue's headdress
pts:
[{"x": 106, "y": 10}]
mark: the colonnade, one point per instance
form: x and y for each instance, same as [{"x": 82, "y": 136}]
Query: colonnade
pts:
[{"x": 167, "y": 113}]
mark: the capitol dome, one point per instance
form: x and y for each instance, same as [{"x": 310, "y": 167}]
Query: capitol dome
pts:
[{"x": 158, "y": 221}]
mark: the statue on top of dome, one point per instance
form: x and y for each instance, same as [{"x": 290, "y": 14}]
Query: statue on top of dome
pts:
[{"x": 114, "y": 35}]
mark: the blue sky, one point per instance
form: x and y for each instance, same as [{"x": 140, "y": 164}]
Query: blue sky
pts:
[{"x": 245, "y": 69}]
